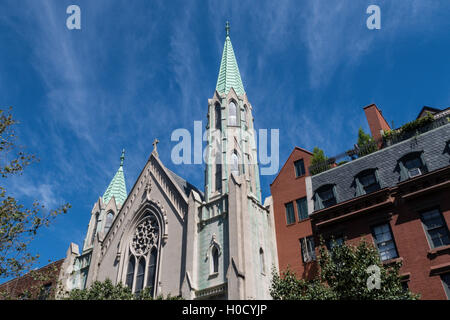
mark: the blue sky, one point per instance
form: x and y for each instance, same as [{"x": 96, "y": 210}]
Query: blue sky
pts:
[{"x": 141, "y": 69}]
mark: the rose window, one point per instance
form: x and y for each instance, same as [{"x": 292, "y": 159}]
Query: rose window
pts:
[{"x": 145, "y": 236}]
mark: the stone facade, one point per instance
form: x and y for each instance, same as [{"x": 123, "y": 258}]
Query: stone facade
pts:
[{"x": 171, "y": 237}]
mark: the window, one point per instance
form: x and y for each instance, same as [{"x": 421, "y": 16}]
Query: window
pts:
[
  {"x": 302, "y": 208},
  {"x": 143, "y": 251},
  {"x": 152, "y": 271},
  {"x": 412, "y": 165},
  {"x": 215, "y": 259},
  {"x": 232, "y": 117},
  {"x": 261, "y": 261},
  {"x": 367, "y": 182},
  {"x": 384, "y": 241},
  {"x": 235, "y": 163},
  {"x": 435, "y": 228},
  {"x": 308, "y": 249},
  {"x": 445, "y": 278},
  {"x": 109, "y": 221},
  {"x": 218, "y": 117},
  {"x": 325, "y": 197},
  {"x": 218, "y": 177},
  {"x": 94, "y": 230},
  {"x": 246, "y": 116},
  {"x": 405, "y": 286},
  {"x": 130, "y": 272},
  {"x": 334, "y": 242},
  {"x": 290, "y": 216},
  {"x": 140, "y": 275},
  {"x": 299, "y": 166}
]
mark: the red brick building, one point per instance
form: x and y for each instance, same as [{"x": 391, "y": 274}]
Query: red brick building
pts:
[
  {"x": 396, "y": 196},
  {"x": 292, "y": 222},
  {"x": 37, "y": 284}
]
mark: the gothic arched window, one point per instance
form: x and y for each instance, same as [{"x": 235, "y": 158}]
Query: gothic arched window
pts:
[
  {"x": 140, "y": 275},
  {"x": 235, "y": 163},
  {"x": 261, "y": 261},
  {"x": 152, "y": 270},
  {"x": 130, "y": 272},
  {"x": 109, "y": 220},
  {"x": 232, "y": 114},
  {"x": 215, "y": 259},
  {"x": 246, "y": 116},
  {"x": 218, "y": 117},
  {"x": 94, "y": 230},
  {"x": 144, "y": 249},
  {"x": 218, "y": 176}
]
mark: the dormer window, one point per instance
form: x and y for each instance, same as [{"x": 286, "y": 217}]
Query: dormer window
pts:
[
  {"x": 412, "y": 165},
  {"x": 367, "y": 182},
  {"x": 325, "y": 197}
]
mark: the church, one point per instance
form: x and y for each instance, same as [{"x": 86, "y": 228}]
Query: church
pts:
[{"x": 167, "y": 235}]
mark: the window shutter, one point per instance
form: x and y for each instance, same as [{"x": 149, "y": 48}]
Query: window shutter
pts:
[
  {"x": 359, "y": 187},
  {"x": 403, "y": 171},
  {"x": 424, "y": 164},
  {"x": 377, "y": 177}
]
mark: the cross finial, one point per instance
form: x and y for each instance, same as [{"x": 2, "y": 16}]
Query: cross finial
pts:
[
  {"x": 155, "y": 142},
  {"x": 227, "y": 28},
  {"x": 122, "y": 157}
]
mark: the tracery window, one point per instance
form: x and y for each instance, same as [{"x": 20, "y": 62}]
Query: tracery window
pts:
[{"x": 143, "y": 251}]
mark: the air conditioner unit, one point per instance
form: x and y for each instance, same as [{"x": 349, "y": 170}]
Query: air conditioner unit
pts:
[{"x": 414, "y": 172}]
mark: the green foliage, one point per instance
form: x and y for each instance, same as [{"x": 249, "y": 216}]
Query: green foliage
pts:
[
  {"x": 410, "y": 126},
  {"x": 365, "y": 143},
  {"x": 108, "y": 291},
  {"x": 319, "y": 161},
  {"x": 343, "y": 276},
  {"x": 18, "y": 225}
]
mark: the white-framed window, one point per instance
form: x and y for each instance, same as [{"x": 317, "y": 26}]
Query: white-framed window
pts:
[{"x": 384, "y": 241}]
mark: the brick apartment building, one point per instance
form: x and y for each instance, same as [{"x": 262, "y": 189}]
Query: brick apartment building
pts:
[
  {"x": 290, "y": 191},
  {"x": 38, "y": 284},
  {"x": 396, "y": 197}
]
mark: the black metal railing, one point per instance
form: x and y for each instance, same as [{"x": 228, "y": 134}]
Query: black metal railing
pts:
[{"x": 394, "y": 137}]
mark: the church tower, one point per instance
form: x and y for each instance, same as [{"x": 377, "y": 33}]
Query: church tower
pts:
[
  {"x": 231, "y": 140},
  {"x": 105, "y": 210},
  {"x": 234, "y": 241}
]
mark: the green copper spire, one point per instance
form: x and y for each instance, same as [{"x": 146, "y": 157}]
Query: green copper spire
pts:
[
  {"x": 229, "y": 76},
  {"x": 117, "y": 187}
]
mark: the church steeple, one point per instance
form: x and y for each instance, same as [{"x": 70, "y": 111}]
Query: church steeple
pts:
[
  {"x": 229, "y": 76},
  {"x": 117, "y": 187}
]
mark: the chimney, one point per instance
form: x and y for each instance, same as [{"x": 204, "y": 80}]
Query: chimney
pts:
[{"x": 376, "y": 121}]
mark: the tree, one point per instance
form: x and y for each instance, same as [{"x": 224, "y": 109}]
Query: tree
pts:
[
  {"x": 107, "y": 291},
  {"x": 344, "y": 275},
  {"x": 18, "y": 225},
  {"x": 319, "y": 162},
  {"x": 366, "y": 144}
]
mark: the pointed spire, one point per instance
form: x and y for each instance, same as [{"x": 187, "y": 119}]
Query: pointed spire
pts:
[
  {"x": 117, "y": 187},
  {"x": 229, "y": 76}
]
